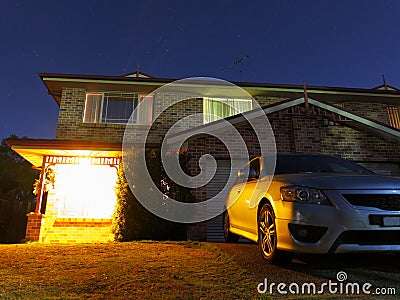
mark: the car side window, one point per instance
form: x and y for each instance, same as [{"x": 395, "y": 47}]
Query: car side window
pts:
[
  {"x": 254, "y": 170},
  {"x": 250, "y": 172}
]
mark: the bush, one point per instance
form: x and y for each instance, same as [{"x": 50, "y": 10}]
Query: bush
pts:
[{"x": 132, "y": 221}]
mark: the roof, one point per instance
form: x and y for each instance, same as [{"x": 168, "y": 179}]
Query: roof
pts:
[
  {"x": 55, "y": 82},
  {"x": 343, "y": 116},
  {"x": 386, "y": 87},
  {"x": 138, "y": 74}
]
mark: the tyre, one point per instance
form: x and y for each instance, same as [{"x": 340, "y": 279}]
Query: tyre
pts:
[
  {"x": 229, "y": 236},
  {"x": 267, "y": 237}
]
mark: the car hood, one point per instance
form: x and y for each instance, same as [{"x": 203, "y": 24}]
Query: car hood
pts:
[{"x": 333, "y": 181}]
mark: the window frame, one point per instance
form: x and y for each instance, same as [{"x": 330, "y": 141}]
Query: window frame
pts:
[
  {"x": 117, "y": 97},
  {"x": 69, "y": 207},
  {"x": 139, "y": 98},
  {"x": 224, "y": 100}
]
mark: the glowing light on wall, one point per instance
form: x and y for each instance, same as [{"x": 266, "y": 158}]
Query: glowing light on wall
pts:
[{"x": 85, "y": 190}]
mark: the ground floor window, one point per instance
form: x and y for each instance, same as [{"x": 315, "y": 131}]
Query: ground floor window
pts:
[{"x": 85, "y": 190}]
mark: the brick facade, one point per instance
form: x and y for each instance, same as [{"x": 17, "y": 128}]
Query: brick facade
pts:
[
  {"x": 33, "y": 227},
  {"x": 293, "y": 134},
  {"x": 375, "y": 111}
]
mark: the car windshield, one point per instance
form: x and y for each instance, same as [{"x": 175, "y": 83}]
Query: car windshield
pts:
[{"x": 301, "y": 164}]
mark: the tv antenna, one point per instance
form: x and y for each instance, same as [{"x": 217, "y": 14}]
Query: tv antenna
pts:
[{"x": 237, "y": 62}]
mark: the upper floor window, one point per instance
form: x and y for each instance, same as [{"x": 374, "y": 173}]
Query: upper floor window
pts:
[
  {"x": 219, "y": 108},
  {"x": 117, "y": 108},
  {"x": 393, "y": 114}
]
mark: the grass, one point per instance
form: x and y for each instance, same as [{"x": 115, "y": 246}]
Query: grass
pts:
[
  {"x": 173, "y": 270},
  {"x": 136, "y": 270}
]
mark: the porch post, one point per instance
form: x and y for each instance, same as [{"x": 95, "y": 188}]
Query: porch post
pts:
[{"x": 41, "y": 186}]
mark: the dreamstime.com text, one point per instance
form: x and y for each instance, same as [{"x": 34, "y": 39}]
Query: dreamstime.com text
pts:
[{"x": 333, "y": 287}]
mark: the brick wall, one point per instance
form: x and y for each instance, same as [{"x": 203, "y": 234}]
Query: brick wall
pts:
[
  {"x": 376, "y": 111},
  {"x": 176, "y": 117},
  {"x": 76, "y": 230},
  {"x": 305, "y": 135},
  {"x": 266, "y": 100},
  {"x": 33, "y": 227},
  {"x": 296, "y": 134},
  {"x": 357, "y": 145},
  {"x": 66, "y": 230}
]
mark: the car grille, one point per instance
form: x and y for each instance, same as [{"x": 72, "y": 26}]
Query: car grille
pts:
[
  {"x": 381, "y": 201},
  {"x": 367, "y": 238}
]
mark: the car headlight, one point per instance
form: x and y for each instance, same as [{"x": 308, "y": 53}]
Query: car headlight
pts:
[{"x": 304, "y": 195}]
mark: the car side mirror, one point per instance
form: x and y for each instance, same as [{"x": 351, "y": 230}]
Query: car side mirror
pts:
[
  {"x": 252, "y": 174},
  {"x": 248, "y": 173}
]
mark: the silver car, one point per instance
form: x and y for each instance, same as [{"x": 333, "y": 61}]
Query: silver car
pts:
[{"x": 314, "y": 204}]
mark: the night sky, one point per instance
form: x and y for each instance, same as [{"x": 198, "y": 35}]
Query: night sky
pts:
[{"x": 329, "y": 43}]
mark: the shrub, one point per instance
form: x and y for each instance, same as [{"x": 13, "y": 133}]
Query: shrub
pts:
[{"x": 132, "y": 221}]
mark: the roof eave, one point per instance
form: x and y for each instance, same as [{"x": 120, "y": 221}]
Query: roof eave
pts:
[
  {"x": 33, "y": 150},
  {"x": 56, "y": 82}
]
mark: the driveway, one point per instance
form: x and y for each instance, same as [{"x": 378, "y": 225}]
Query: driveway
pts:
[{"x": 381, "y": 270}]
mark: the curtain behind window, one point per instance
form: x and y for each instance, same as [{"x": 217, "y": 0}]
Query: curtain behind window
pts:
[
  {"x": 215, "y": 109},
  {"x": 237, "y": 106},
  {"x": 92, "y": 108},
  {"x": 145, "y": 113}
]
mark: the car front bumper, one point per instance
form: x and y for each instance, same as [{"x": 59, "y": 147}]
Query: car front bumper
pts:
[{"x": 349, "y": 228}]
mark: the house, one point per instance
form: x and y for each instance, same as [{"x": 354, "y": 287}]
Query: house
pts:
[{"x": 78, "y": 168}]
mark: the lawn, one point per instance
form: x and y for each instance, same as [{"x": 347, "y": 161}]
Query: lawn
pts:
[{"x": 136, "y": 270}]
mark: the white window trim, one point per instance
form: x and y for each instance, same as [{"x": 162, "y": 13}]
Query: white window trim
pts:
[{"x": 139, "y": 97}]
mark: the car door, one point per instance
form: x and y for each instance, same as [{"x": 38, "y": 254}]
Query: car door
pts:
[
  {"x": 240, "y": 211},
  {"x": 234, "y": 197}
]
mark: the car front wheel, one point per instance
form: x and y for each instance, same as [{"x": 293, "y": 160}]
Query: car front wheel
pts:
[{"x": 267, "y": 237}]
